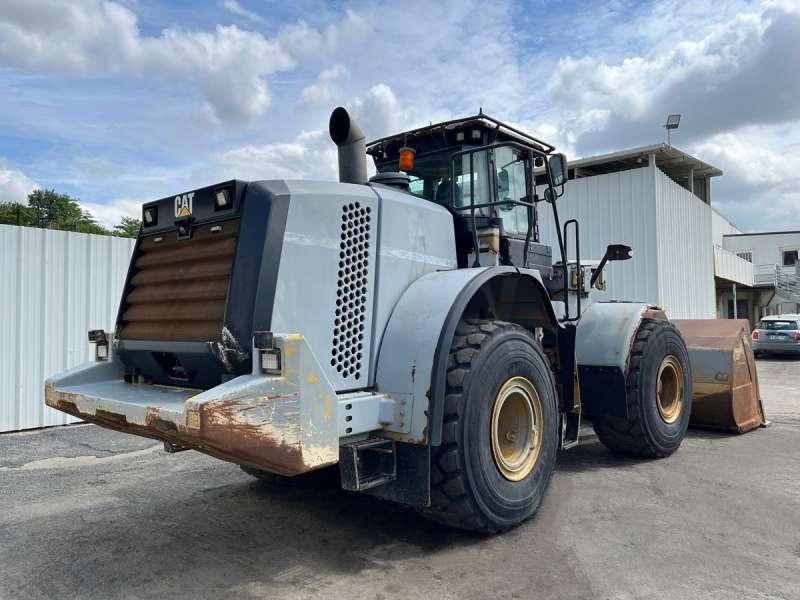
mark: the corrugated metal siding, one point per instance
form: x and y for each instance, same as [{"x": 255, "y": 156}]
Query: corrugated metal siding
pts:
[
  {"x": 685, "y": 252},
  {"x": 56, "y": 286},
  {"x": 613, "y": 208},
  {"x": 720, "y": 226},
  {"x": 729, "y": 266}
]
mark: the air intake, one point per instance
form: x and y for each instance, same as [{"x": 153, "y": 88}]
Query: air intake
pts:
[{"x": 351, "y": 291}]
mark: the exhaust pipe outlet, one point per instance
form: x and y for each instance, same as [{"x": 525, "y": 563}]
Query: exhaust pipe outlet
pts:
[{"x": 350, "y": 140}]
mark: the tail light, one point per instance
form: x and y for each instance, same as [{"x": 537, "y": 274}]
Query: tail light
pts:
[
  {"x": 755, "y": 335},
  {"x": 797, "y": 336}
]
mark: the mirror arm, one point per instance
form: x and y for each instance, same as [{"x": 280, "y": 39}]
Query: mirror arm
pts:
[
  {"x": 598, "y": 270},
  {"x": 613, "y": 252},
  {"x": 562, "y": 250}
]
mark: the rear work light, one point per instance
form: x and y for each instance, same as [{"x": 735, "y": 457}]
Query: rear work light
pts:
[
  {"x": 755, "y": 335},
  {"x": 269, "y": 357},
  {"x": 222, "y": 200},
  {"x": 99, "y": 338},
  {"x": 150, "y": 215}
]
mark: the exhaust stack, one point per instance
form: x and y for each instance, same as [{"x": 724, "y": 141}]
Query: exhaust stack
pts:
[{"x": 349, "y": 138}]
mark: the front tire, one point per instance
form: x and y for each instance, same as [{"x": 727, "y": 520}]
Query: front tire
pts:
[
  {"x": 659, "y": 395},
  {"x": 500, "y": 430}
]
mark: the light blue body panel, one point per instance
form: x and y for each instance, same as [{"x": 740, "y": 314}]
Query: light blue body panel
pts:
[
  {"x": 606, "y": 331},
  {"x": 405, "y": 363},
  {"x": 349, "y": 253},
  {"x": 408, "y": 352},
  {"x": 312, "y": 287}
]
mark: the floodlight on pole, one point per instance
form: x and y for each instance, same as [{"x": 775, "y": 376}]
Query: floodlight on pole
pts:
[{"x": 673, "y": 121}]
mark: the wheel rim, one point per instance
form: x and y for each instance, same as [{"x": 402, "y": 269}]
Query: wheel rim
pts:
[
  {"x": 517, "y": 419},
  {"x": 669, "y": 393}
]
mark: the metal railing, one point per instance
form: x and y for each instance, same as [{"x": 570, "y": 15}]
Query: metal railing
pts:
[
  {"x": 785, "y": 280},
  {"x": 786, "y": 283}
]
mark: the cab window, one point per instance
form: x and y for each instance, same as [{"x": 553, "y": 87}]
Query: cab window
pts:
[{"x": 510, "y": 165}]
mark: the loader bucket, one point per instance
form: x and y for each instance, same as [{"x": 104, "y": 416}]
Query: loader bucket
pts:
[{"x": 724, "y": 376}]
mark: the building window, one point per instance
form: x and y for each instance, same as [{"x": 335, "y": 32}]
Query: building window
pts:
[
  {"x": 789, "y": 258},
  {"x": 748, "y": 256}
]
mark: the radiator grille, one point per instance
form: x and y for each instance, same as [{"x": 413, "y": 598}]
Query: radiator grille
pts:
[
  {"x": 351, "y": 291},
  {"x": 178, "y": 289}
]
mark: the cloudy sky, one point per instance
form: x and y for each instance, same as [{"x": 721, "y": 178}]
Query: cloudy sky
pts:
[{"x": 119, "y": 102}]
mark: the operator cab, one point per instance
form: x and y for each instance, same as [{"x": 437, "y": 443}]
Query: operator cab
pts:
[{"x": 482, "y": 170}]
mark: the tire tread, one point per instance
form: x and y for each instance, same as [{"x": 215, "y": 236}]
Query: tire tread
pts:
[{"x": 451, "y": 499}]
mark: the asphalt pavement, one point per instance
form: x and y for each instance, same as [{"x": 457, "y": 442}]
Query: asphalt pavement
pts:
[{"x": 91, "y": 513}]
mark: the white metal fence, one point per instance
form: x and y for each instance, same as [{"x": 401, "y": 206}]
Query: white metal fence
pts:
[{"x": 56, "y": 285}]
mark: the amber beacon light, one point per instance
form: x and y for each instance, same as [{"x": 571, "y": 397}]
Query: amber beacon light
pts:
[{"x": 406, "y": 162}]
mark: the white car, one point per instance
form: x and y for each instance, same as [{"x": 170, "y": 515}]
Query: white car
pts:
[{"x": 777, "y": 333}]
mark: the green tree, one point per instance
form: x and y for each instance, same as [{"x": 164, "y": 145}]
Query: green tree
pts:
[
  {"x": 50, "y": 210},
  {"x": 127, "y": 227},
  {"x": 13, "y": 213}
]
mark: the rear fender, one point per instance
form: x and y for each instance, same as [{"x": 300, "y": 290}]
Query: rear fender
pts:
[
  {"x": 604, "y": 338},
  {"x": 412, "y": 360}
]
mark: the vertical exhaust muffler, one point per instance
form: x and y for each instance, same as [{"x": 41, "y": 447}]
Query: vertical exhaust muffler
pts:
[{"x": 350, "y": 140}]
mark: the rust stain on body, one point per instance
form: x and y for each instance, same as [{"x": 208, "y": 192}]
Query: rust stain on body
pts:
[{"x": 223, "y": 429}]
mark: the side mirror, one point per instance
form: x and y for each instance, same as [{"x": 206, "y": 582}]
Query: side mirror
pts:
[
  {"x": 558, "y": 170},
  {"x": 618, "y": 252}
]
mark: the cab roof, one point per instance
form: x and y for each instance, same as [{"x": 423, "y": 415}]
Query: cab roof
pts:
[{"x": 480, "y": 129}]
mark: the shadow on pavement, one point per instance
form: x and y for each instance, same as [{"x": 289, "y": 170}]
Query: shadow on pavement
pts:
[{"x": 218, "y": 538}]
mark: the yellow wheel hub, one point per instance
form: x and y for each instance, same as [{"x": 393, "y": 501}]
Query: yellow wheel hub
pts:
[
  {"x": 669, "y": 390},
  {"x": 517, "y": 421}
]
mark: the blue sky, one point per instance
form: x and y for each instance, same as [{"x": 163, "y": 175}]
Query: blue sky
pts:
[{"x": 120, "y": 102}]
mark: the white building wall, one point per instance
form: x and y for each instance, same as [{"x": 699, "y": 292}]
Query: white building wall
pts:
[
  {"x": 669, "y": 229},
  {"x": 721, "y": 226},
  {"x": 617, "y": 208},
  {"x": 685, "y": 252},
  {"x": 767, "y": 248},
  {"x": 57, "y": 285}
]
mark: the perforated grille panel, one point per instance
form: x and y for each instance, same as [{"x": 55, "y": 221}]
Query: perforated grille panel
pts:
[{"x": 347, "y": 350}]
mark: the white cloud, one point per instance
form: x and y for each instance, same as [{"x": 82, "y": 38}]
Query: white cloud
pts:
[
  {"x": 748, "y": 161},
  {"x": 90, "y": 38},
  {"x": 303, "y": 41},
  {"x": 761, "y": 185},
  {"x": 234, "y": 7},
  {"x": 740, "y": 71},
  {"x": 14, "y": 184},
  {"x": 109, "y": 213},
  {"x": 323, "y": 91},
  {"x": 311, "y": 155},
  {"x": 379, "y": 113}
]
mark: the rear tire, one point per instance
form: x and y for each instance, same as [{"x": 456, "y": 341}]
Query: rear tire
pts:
[
  {"x": 659, "y": 395},
  {"x": 500, "y": 430}
]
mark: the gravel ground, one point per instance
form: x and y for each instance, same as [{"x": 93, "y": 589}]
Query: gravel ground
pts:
[{"x": 90, "y": 513}]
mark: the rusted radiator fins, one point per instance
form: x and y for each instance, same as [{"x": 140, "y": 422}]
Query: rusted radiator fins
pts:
[{"x": 178, "y": 289}]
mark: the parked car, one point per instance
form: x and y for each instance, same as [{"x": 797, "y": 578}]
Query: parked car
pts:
[{"x": 778, "y": 333}]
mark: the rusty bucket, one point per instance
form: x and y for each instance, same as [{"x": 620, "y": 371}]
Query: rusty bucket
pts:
[{"x": 724, "y": 376}]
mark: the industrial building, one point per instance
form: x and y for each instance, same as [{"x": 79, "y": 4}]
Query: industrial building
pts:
[
  {"x": 776, "y": 273},
  {"x": 687, "y": 258}
]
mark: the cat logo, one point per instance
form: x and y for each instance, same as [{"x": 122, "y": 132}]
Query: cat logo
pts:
[{"x": 183, "y": 205}]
